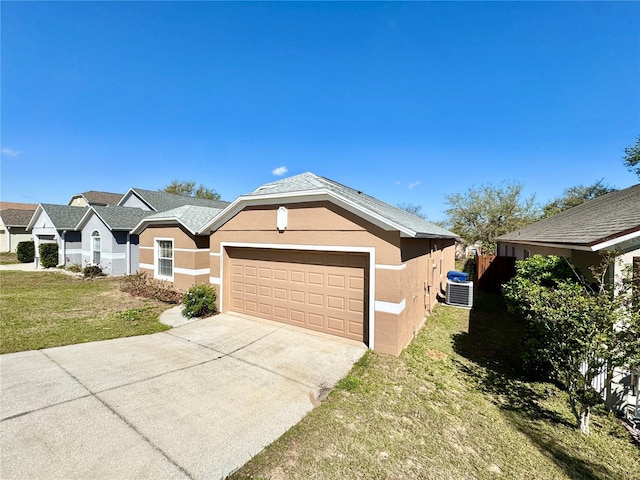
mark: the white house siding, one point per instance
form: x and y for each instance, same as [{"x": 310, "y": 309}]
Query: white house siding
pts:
[
  {"x": 11, "y": 236},
  {"x": 113, "y": 247},
  {"x": 45, "y": 232}
]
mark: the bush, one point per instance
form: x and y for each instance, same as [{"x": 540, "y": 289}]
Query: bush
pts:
[
  {"x": 75, "y": 268},
  {"x": 91, "y": 271},
  {"x": 199, "y": 301},
  {"x": 49, "y": 255},
  {"x": 141, "y": 285},
  {"x": 26, "y": 252}
]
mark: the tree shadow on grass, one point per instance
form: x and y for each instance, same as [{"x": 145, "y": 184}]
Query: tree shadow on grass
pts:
[{"x": 492, "y": 344}]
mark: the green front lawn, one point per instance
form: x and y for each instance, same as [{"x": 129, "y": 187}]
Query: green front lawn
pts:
[
  {"x": 452, "y": 406},
  {"x": 7, "y": 258},
  {"x": 40, "y": 310}
]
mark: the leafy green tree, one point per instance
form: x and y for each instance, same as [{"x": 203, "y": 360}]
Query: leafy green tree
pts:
[
  {"x": 189, "y": 189},
  {"x": 482, "y": 214},
  {"x": 577, "y": 329},
  {"x": 414, "y": 209},
  {"x": 632, "y": 157},
  {"x": 574, "y": 196}
]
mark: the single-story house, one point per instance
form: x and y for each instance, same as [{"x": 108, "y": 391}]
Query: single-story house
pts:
[
  {"x": 607, "y": 223},
  {"x": 58, "y": 223},
  {"x": 93, "y": 197},
  {"x": 13, "y": 227},
  {"x": 174, "y": 245},
  {"x": 107, "y": 239},
  {"x": 310, "y": 252},
  {"x": 157, "y": 201}
]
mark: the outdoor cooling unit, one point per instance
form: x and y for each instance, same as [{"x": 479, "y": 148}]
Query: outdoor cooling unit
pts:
[{"x": 459, "y": 294}]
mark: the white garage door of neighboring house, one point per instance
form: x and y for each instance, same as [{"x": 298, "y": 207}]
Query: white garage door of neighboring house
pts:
[{"x": 323, "y": 291}]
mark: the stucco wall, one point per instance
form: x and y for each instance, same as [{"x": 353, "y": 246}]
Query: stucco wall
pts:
[
  {"x": 133, "y": 201},
  {"x": 190, "y": 254},
  {"x": 114, "y": 254},
  {"x": 11, "y": 236}
]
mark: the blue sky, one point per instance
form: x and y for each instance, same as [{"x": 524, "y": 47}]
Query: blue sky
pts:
[{"x": 405, "y": 101}]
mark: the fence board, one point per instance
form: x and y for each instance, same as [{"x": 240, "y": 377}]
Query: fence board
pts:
[{"x": 494, "y": 271}]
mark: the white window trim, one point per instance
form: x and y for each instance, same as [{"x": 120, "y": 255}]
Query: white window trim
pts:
[
  {"x": 99, "y": 237},
  {"x": 322, "y": 248},
  {"x": 156, "y": 265}
]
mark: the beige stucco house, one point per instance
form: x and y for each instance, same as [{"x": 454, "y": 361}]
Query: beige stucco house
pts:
[
  {"x": 607, "y": 223},
  {"x": 93, "y": 197},
  {"x": 310, "y": 252},
  {"x": 14, "y": 218}
]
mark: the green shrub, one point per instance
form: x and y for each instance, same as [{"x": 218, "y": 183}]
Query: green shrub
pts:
[
  {"x": 141, "y": 285},
  {"x": 26, "y": 252},
  {"x": 199, "y": 301},
  {"x": 49, "y": 255},
  {"x": 75, "y": 268}
]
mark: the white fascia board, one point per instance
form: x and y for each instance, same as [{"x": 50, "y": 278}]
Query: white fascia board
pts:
[
  {"x": 146, "y": 221},
  {"x": 616, "y": 241},
  {"x": 303, "y": 197},
  {"x": 35, "y": 216},
  {"x": 568, "y": 246},
  {"x": 132, "y": 191}
]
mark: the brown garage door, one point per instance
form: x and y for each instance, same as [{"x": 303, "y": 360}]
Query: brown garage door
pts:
[{"x": 323, "y": 291}]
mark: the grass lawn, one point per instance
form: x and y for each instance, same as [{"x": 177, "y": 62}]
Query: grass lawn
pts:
[
  {"x": 7, "y": 258},
  {"x": 40, "y": 310},
  {"x": 452, "y": 406}
]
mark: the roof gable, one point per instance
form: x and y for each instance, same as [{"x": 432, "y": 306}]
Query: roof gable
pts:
[
  {"x": 162, "y": 201},
  {"x": 115, "y": 218},
  {"x": 193, "y": 217},
  {"x": 311, "y": 187},
  {"x": 15, "y": 217},
  {"x": 63, "y": 217},
  {"x": 94, "y": 197},
  {"x": 602, "y": 219}
]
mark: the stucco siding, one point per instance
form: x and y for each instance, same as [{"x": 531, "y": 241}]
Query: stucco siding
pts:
[
  {"x": 11, "y": 236},
  {"x": 133, "y": 201}
]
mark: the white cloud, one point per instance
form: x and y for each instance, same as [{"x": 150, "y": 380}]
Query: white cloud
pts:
[
  {"x": 9, "y": 152},
  {"x": 412, "y": 185},
  {"x": 280, "y": 171},
  {"x": 397, "y": 182}
]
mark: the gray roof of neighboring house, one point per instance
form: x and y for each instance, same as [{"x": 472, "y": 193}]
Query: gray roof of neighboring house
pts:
[
  {"x": 64, "y": 217},
  {"x": 308, "y": 182},
  {"x": 13, "y": 217},
  {"x": 94, "y": 197},
  {"x": 598, "y": 220},
  {"x": 162, "y": 201},
  {"x": 193, "y": 217},
  {"x": 119, "y": 218}
]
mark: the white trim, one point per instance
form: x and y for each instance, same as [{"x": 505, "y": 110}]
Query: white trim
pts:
[
  {"x": 382, "y": 266},
  {"x": 191, "y": 271},
  {"x": 106, "y": 256},
  {"x": 391, "y": 307},
  {"x": 148, "y": 266},
  {"x": 144, "y": 247},
  {"x": 73, "y": 251},
  {"x": 215, "y": 254},
  {"x": 215, "y": 280},
  {"x": 190, "y": 249},
  {"x": 566, "y": 246},
  {"x": 323, "y": 248},
  {"x": 155, "y": 258},
  {"x": 615, "y": 241}
]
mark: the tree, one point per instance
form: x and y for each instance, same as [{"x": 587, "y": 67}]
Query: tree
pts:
[
  {"x": 188, "y": 189},
  {"x": 483, "y": 214},
  {"x": 413, "y": 209},
  {"x": 579, "y": 330},
  {"x": 574, "y": 196},
  {"x": 632, "y": 157}
]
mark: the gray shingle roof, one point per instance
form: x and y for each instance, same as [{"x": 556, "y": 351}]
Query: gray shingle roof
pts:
[
  {"x": 64, "y": 217},
  {"x": 595, "y": 221},
  {"x": 193, "y": 217},
  {"x": 162, "y": 201},
  {"x": 121, "y": 218},
  {"x": 16, "y": 218},
  {"x": 308, "y": 182},
  {"x": 94, "y": 197}
]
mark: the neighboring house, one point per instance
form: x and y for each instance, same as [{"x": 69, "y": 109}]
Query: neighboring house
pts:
[
  {"x": 58, "y": 224},
  {"x": 93, "y": 197},
  {"x": 107, "y": 239},
  {"x": 13, "y": 228},
  {"x": 607, "y": 223},
  {"x": 174, "y": 246},
  {"x": 311, "y": 252},
  {"x": 157, "y": 201}
]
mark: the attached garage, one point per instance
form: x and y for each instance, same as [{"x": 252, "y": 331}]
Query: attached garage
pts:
[{"x": 322, "y": 291}]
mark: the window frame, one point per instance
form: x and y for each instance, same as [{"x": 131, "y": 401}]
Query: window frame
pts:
[
  {"x": 95, "y": 235},
  {"x": 157, "y": 258}
]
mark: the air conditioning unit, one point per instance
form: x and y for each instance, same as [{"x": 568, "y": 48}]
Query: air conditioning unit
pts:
[{"x": 459, "y": 294}]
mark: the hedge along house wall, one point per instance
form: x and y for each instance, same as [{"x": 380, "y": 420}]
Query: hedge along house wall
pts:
[{"x": 190, "y": 254}]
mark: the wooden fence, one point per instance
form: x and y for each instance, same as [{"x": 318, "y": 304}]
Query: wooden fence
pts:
[{"x": 492, "y": 272}]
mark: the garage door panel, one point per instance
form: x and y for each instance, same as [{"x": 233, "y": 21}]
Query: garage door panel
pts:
[{"x": 323, "y": 291}]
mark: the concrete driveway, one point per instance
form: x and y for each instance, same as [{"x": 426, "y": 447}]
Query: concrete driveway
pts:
[{"x": 197, "y": 401}]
